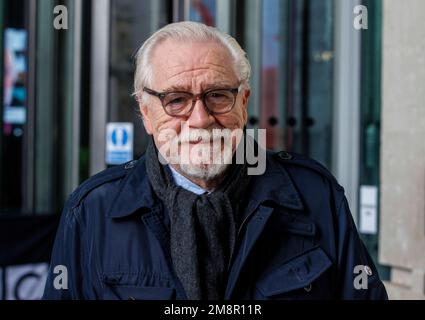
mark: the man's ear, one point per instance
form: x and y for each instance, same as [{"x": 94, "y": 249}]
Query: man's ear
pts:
[{"x": 146, "y": 118}]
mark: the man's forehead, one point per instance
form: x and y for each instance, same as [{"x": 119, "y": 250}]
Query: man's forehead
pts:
[
  {"x": 197, "y": 50},
  {"x": 188, "y": 86},
  {"x": 177, "y": 63}
]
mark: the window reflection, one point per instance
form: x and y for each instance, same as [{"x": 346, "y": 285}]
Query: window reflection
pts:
[{"x": 14, "y": 114}]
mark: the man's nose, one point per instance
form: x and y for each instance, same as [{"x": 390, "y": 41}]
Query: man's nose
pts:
[{"x": 200, "y": 117}]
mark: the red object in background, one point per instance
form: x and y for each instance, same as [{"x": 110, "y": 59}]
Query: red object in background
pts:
[
  {"x": 204, "y": 12},
  {"x": 269, "y": 106},
  {"x": 7, "y": 129}
]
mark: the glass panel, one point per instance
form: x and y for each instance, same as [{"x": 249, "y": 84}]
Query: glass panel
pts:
[
  {"x": 273, "y": 71},
  {"x": 370, "y": 116},
  {"x": 132, "y": 22},
  {"x": 319, "y": 59},
  {"x": 310, "y": 70},
  {"x": 46, "y": 113},
  {"x": 14, "y": 105},
  {"x": 36, "y": 108},
  {"x": 297, "y": 76},
  {"x": 249, "y": 30}
]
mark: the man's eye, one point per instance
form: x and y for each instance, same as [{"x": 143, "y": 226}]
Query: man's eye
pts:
[
  {"x": 219, "y": 98},
  {"x": 178, "y": 101},
  {"x": 217, "y": 95}
]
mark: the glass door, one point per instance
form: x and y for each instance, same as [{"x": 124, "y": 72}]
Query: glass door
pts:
[
  {"x": 15, "y": 127},
  {"x": 290, "y": 46},
  {"x": 39, "y": 110}
]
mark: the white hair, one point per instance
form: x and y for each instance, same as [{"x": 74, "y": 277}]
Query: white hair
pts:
[{"x": 184, "y": 32}]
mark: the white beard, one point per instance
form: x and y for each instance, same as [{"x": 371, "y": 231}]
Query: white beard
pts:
[
  {"x": 203, "y": 172},
  {"x": 206, "y": 160}
]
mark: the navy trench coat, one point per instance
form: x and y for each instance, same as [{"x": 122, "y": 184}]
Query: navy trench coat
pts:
[{"x": 296, "y": 239}]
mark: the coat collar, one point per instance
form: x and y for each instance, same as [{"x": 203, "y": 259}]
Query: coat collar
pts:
[
  {"x": 275, "y": 185},
  {"x": 134, "y": 193}
]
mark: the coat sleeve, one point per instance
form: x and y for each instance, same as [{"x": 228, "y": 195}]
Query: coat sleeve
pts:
[
  {"x": 357, "y": 275},
  {"x": 64, "y": 276}
]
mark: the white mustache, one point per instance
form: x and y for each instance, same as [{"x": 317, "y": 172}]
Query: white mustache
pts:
[{"x": 196, "y": 135}]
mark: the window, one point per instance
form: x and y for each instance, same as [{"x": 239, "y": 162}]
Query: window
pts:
[
  {"x": 292, "y": 73},
  {"x": 15, "y": 134},
  {"x": 132, "y": 22},
  {"x": 39, "y": 147}
]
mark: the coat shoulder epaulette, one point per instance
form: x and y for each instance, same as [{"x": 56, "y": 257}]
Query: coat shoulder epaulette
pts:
[
  {"x": 292, "y": 158},
  {"x": 105, "y": 176}
]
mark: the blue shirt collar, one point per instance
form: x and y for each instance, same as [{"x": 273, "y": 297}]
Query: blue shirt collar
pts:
[{"x": 185, "y": 183}]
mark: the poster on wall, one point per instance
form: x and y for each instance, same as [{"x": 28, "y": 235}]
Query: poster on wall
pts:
[{"x": 14, "y": 81}]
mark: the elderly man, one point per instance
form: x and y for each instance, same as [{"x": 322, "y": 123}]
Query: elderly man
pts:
[{"x": 188, "y": 220}]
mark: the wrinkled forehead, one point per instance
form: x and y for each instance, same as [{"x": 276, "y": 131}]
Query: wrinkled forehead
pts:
[{"x": 176, "y": 63}]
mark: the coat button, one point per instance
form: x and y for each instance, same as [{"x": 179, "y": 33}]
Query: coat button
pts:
[
  {"x": 130, "y": 164},
  {"x": 284, "y": 155},
  {"x": 368, "y": 270},
  {"x": 308, "y": 288}
]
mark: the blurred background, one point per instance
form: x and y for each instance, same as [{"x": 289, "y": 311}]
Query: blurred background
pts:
[{"x": 352, "y": 98}]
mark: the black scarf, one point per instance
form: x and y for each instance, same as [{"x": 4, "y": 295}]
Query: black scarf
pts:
[{"x": 202, "y": 227}]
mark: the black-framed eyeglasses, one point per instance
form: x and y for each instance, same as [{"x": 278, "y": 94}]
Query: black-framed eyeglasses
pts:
[{"x": 181, "y": 103}]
